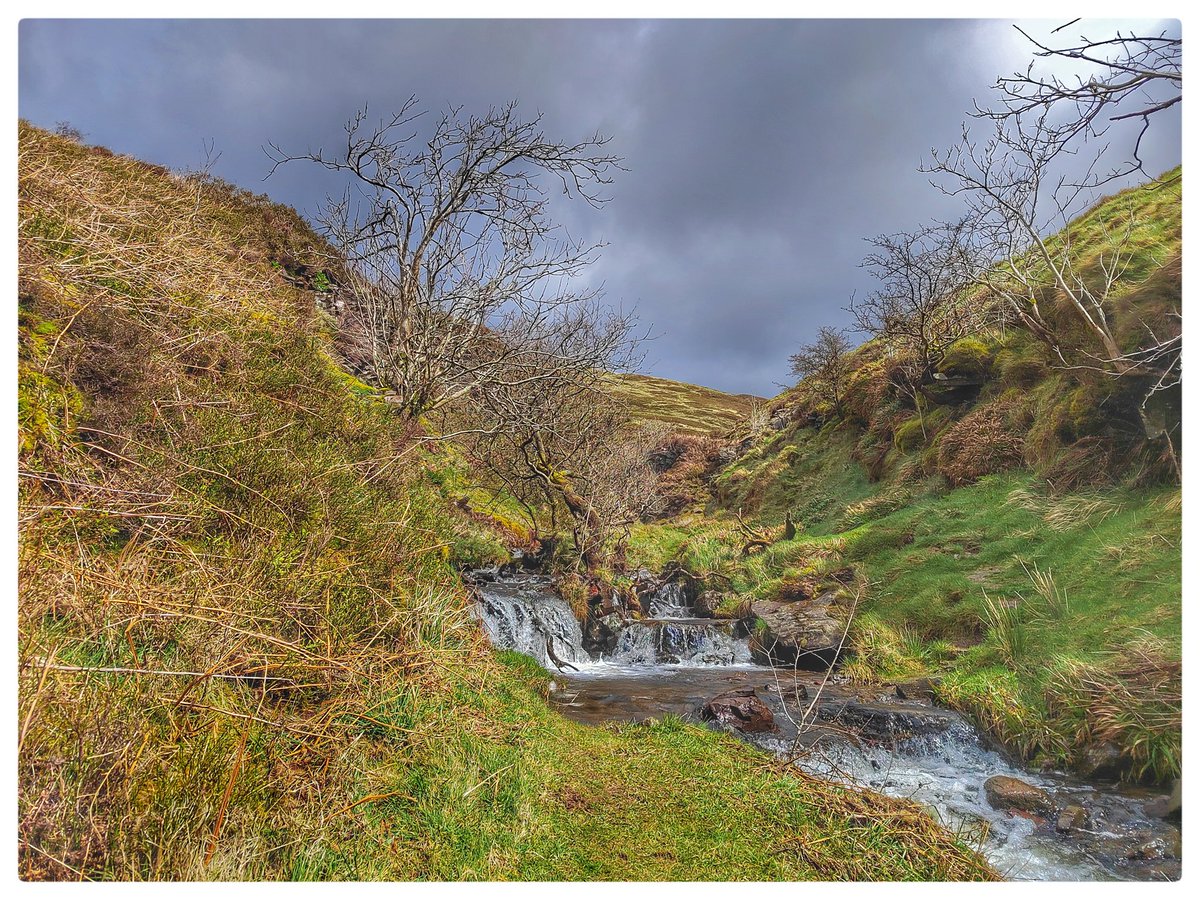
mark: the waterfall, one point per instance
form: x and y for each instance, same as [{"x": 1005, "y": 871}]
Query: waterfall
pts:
[
  {"x": 689, "y": 642},
  {"x": 670, "y": 602},
  {"x": 523, "y": 614}
]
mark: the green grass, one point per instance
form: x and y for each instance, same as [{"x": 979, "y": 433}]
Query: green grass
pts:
[
  {"x": 998, "y": 587},
  {"x": 539, "y": 798},
  {"x": 682, "y": 407}
]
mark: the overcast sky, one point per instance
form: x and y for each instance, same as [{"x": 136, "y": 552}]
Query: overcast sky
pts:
[{"x": 759, "y": 153}]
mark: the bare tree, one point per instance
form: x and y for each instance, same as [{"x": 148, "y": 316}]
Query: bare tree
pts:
[
  {"x": 457, "y": 275},
  {"x": 1133, "y": 77},
  {"x": 826, "y": 361},
  {"x": 573, "y": 450},
  {"x": 923, "y": 303},
  {"x": 1022, "y": 208},
  {"x": 1025, "y": 185}
]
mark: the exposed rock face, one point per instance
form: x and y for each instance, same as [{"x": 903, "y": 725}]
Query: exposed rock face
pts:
[
  {"x": 1005, "y": 792},
  {"x": 706, "y": 604},
  {"x": 806, "y": 634},
  {"x": 741, "y": 709},
  {"x": 601, "y": 632}
]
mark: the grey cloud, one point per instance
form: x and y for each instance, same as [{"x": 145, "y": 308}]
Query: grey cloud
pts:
[{"x": 759, "y": 153}]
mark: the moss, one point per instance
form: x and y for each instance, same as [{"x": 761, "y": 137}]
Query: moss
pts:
[{"x": 968, "y": 357}]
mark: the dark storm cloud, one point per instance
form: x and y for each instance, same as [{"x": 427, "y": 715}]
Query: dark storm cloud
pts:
[{"x": 759, "y": 154}]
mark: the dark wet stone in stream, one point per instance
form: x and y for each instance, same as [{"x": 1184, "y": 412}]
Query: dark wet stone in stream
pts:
[
  {"x": 602, "y": 633},
  {"x": 1072, "y": 818},
  {"x": 1168, "y": 807},
  {"x": 801, "y": 633},
  {"x": 1006, "y": 792},
  {"x": 884, "y": 721},
  {"x": 1102, "y": 761},
  {"x": 741, "y": 709}
]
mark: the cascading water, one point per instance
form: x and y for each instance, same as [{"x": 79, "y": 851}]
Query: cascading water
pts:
[
  {"x": 670, "y": 602},
  {"x": 687, "y": 642},
  {"x": 525, "y": 615},
  {"x": 945, "y": 772},
  {"x": 673, "y": 663}
]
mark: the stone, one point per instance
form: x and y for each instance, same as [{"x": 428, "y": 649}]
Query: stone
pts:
[
  {"x": 1102, "y": 761},
  {"x": 1006, "y": 792},
  {"x": 1169, "y": 806},
  {"x": 601, "y": 632},
  {"x": 1155, "y": 849},
  {"x": 883, "y": 722},
  {"x": 917, "y": 689},
  {"x": 804, "y": 634},
  {"x": 741, "y": 709},
  {"x": 1072, "y": 818},
  {"x": 707, "y": 603}
]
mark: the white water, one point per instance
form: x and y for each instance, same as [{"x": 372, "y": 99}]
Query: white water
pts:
[
  {"x": 656, "y": 643},
  {"x": 524, "y": 614},
  {"x": 945, "y": 774}
]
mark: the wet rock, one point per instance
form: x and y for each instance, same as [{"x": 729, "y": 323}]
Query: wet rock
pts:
[
  {"x": 1102, "y": 761},
  {"x": 707, "y": 603},
  {"x": 1167, "y": 807},
  {"x": 884, "y": 722},
  {"x": 917, "y": 689},
  {"x": 804, "y": 634},
  {"x": 741, "y": 709},
  {"x": 1005, "y": 792},
  {"x": 1155, "y": 849},
  {"x": 1072, "y": 818},
  {"x": 602, "y": 632}
]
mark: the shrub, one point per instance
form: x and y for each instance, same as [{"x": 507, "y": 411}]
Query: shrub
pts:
[{"x": 1132, "y": 700}]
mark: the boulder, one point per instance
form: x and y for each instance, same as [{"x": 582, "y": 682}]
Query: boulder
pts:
[
  {"x": 1005, "y": 792},
  {"x": 1169, "y": 806},
  {"x": 884, "y": 722},
  {"x": 601, "y": 632},
  {"x": 1102, "y": 761},
  {"x": 1072, "y": 818},
  {"x": 741, "y": 709},
  {"x": 805, "y": 634}
]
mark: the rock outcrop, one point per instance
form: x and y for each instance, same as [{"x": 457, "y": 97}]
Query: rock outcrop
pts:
[
  {"x": 807, "y": 634},
  {"x": 1006, "y": 792}
]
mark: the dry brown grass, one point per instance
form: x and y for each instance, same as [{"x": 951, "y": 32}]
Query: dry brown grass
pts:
[
  {"x": 1132, "y": 700},
  {"x": 988, "y": 440},
  {"x": 214, "y": 603}
]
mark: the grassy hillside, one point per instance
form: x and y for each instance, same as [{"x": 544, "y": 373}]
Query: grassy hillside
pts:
[
  {"x": 244, "y": 651},
  {"x": 687, "y": 408},
  {"x": 1020, "y": 537}
]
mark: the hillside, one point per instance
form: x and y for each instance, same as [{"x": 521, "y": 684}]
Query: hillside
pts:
[
  {"x": 244, "y": 649},
  {"x": 1016, "y": 533},
  {"x": 686, "y": 408}
]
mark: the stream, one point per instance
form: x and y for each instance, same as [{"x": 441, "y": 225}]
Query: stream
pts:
[{"x": 674, "y": 663}]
